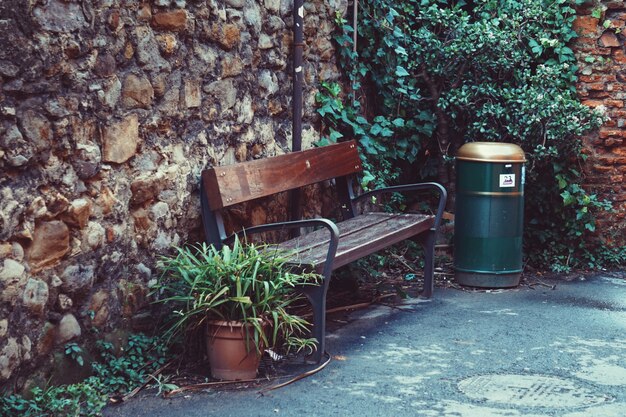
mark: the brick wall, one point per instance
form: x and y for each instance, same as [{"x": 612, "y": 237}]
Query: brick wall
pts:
[{"x": 600, "y": 50}]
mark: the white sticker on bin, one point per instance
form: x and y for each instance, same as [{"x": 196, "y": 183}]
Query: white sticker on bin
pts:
[{"x": 507, "y": 180}]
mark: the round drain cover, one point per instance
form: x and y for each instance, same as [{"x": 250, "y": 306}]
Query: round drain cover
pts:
[{"x": 529, "y": 391}]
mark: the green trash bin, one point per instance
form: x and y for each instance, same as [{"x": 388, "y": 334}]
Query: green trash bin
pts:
[{"x": 488, "y": 220}]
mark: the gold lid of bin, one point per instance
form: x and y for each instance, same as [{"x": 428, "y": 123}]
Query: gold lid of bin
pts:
[{"x": 490, "y": 152}]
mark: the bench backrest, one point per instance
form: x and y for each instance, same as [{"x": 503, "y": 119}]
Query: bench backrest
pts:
[{"x": 233, "y": 184}]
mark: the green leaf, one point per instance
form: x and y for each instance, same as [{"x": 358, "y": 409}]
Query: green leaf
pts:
[
  {"x": 401, "y": 72},
  {"x": 568, "y": 199},
  {"x": 366, "y": 179},
  {"x": 368, "y": 145},
  {"x": 324, "y": 142},
  {"x": 402, "y": 143},
  {"x": 334, "y": 135},
  {"x": 400, "y": 50},
  {"x": 398, "y": 122}
]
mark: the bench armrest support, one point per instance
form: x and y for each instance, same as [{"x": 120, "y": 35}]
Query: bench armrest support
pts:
[
  {"x": 429, "y": 240},
  {"x": 443, "y": 195},
  {"x": 329, "y": 225}
]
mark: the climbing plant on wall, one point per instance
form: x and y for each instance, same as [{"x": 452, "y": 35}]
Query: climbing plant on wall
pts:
[{"x": 430, "y": 75}]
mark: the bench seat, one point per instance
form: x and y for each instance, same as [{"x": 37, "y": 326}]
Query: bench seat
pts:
[{"x": 358, "y": 237}]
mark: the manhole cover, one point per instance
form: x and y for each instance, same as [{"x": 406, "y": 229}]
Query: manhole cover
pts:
[{"x": 529, "y": 391}]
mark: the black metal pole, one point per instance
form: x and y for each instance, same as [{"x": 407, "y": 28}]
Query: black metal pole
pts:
[
  {"x": 298, "y": 78},
  {"x": 355, "y": 20},
  {"x": 298, "y": 72}
]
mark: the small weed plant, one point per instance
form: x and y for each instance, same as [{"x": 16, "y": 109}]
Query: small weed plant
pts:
[
  {"x": 73, "y": 351},
  {"x": 113, "y": 374}
]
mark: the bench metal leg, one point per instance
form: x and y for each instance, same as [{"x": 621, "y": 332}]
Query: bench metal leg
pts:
[
  {"x": 428, "y": 242},
  {"x": 317, "y": 298},
  {"x": 211, "y": 221}
]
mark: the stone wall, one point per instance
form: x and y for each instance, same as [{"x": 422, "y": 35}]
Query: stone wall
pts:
[
  {"x": 602, "y": 84},
  {"x": 109, "y": 110}
]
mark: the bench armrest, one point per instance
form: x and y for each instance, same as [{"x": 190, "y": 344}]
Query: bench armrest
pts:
[
  {"x": 332, "y": 228},
  {"x": 443, "y": 195}
]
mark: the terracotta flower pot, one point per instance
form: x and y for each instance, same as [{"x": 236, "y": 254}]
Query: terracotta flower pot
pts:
[{"x": 228, "y": 354}]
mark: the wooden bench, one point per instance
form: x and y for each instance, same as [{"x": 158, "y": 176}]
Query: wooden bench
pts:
[{"x": 357, "y": 235}]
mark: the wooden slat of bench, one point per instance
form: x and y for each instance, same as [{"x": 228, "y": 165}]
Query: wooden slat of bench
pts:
[
  {"x": 320, "y": 237},
  {"x": 233, "y": 184},
  {"x": 359, "y": 236}
]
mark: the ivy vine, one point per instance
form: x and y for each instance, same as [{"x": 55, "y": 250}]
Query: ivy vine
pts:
[{"x": 430, "y": 75}]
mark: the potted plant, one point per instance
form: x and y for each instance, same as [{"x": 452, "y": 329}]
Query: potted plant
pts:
[{"x": 239, "y": 297}]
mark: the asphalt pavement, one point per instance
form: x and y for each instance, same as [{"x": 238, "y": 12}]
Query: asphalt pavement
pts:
[{"x": 530, "y": 351}]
